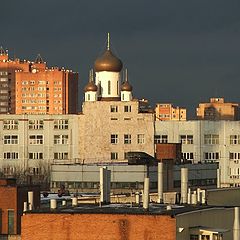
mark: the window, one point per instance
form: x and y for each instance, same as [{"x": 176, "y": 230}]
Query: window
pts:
[
  {"x": 194, "y": 237},
  {"x": 114, "y": 155},
  {"x": 109, "y": 87},
  {"x": 60, "y": 139},
  {"x": 211, "y": 139},
  {"x": 205, "y": 237},
  {"x": 10, "y": 139},
  {"x": 113, "y": 108},
  {"x": 35, "y": 124},
  {"x": 160, "y": 139},
  {"x": 234, "y": 139},
  {"x": 36, "y": 139},
  {"x": 127, "y": 108},
  {"x": 127, "y": 138},
  {"x": 187, "y": 156},
  {"x": 114, "y": 138},
  {"x": 35, "y": 155},
  {"x": 61, "y": 155},
  {"x": 10, "y": 124},
  {"x": 10, "y": 221},
  {"x": 34, "y": 170},
  {"x": 186, "y": 139},
  {"x": 140, "y": 139},
  {"x": 234, "y": 155},
  {"x": 211, "y": 156},
  {"x": 61, "y": 124},
  {"x": 10, "y": 155}
]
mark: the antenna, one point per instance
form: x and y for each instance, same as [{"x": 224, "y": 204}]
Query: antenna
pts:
[{"x": 108, "y": 41}]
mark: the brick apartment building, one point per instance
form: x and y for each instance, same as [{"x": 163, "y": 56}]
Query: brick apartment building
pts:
[
  {"x": 167, "y": 112},
  {"x": 33, "y": 88},
  {"x": 217, "y": 109},
  {"x": 12, "y": 198}
]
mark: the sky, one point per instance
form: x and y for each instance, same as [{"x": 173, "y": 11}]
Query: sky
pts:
[{"x": 180, "y": 52}]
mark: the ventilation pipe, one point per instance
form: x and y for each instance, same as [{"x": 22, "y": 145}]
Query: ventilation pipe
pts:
[
  {"x": 105, "y": 185},
  {"x": 74, "y": 201},
  {"x": 194, "y": 198},
  {"x": 236, "y": 227},
  {"x": 218, "y": 178},
  {"x": 25, "y": 206},
  {"x": 189, "y": 196},
  {"x": 30, "y": 200},
  {"x": 53, "y": 203},
  {"x": 146, "y": 194},
  {"x": 184, "y": 185},
  {"x": 160, "y": 182},
  {"x": 203, "y": 196},
  {"x": 199, "y": 195},
  {"x": 137, "y": 198}
]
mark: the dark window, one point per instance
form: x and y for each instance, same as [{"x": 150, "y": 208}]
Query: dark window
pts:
[{"x": 10, "y": 221}]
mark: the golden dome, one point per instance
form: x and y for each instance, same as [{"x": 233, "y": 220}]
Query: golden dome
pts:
[
  {"x": 126, "y": 86},
  {"x": 108, "y": 62},
  {"x": 90, "y": 87}
]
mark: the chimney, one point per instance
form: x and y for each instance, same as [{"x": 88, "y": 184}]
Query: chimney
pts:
[
  {"x": 184, "y": 185},
  {"x": 146, "y": 194},
  {"x": 236, "y": 227},
  {"x": 74, "y": 201},
  {"x": 160, "y": 182},
  {"x": 53, "y": 203},
  {"x": 30, "y": 200},
  {"x": 105, "y": 185}
]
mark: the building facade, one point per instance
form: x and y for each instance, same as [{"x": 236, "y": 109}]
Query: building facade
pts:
[
  {"x": 33, "y": 88},
  {"x": 166, "y": 112},
  {"x": 29, "y": 143},
  {"x": 206, "y": 141},
  {"x": 217, "y": 109}
]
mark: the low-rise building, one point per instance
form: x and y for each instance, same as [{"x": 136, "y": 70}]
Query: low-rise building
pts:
[{"x": 12, "y": 198}]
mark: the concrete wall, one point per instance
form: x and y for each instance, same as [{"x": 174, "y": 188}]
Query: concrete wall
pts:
[
  {"x": 217, "y": 218},
  {"x": 73, "y": 174},
  {"x": 223, "y": 197},
  {"x": 98, "y": 226}
]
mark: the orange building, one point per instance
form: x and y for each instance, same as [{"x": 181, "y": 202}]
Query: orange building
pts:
[
  {"x": 167, "y": 112},
  {"x": 217, "y": 109},
  {"x": 33, "y": 88}
]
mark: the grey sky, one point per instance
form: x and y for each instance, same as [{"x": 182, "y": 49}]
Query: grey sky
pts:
[{"x": 176, "y": 51}]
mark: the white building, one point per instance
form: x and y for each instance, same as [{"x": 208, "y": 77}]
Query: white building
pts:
[
  {"x": 28, "y": 142},
  {"x": 206, "y": 141}
]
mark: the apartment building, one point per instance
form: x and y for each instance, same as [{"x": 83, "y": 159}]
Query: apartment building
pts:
[
  {"x": 166, "y": 112},
  {"x": 33, "y": 88},
  {"x": 217, "y": 109}
]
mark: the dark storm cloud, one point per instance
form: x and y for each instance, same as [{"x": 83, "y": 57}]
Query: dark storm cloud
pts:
[{"x": 176, "y": 51}]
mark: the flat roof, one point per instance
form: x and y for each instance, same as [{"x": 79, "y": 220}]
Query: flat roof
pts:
[{"x": 154, "y": 209}]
